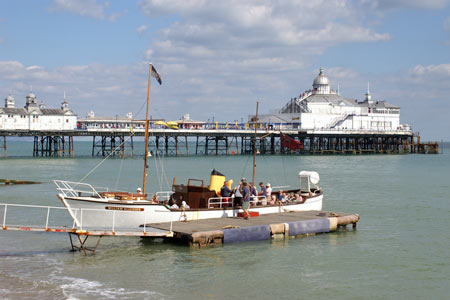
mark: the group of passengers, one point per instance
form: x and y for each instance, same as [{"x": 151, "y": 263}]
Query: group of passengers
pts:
[{"x": 245, "y": 193}]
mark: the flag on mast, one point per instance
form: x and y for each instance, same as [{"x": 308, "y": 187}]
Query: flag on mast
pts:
[
  {"x": 156, "y": 75},
  {"x": 290, "y": 143}
]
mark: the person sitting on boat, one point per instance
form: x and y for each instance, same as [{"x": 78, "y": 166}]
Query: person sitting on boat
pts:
[
  {"x": 246, "y": 200},
  {"x": 225, "y": 193},
  {"x": 139, "y": 190},
  {"x": 273, "y": 200},
  {"x": 253, "y": 194},
  {"x": 173, "y": 204},
  {"x": 184, "y": 205},
  {"x": 280, "y": 196},
  {"x": 268, "y": 191},
  {"x": 263, "y": 193}
]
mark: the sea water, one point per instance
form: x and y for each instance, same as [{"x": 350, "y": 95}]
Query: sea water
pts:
[{"x": 400, "y": 249}]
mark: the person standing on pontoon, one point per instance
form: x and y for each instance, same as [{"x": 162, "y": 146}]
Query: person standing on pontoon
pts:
[
  {"x": 246, "y": 200},
  {"x": 238, "y": 195}
]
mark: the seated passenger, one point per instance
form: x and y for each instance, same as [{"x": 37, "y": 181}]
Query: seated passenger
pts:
[
  {"x": 185, "y": 205},
  {"x": 173, "y": 204}
]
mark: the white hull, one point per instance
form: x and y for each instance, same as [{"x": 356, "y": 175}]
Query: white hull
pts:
[{"x": 92, "y": 212}]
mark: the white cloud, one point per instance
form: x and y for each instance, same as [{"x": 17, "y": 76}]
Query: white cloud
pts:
[
  {"x": 141, "y": 29},
  {"x": 88, "y": 8},
  {"x": 238, "y": 51},
  {"x": 389, "y": 5},
  {"x": 114, "y": 16}
]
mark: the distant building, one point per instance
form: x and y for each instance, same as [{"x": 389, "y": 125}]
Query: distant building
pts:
[
  {"x": 34, "y": 117},
  {"x": 187, "y": 123},
  {"x": 324, "y": 108}
]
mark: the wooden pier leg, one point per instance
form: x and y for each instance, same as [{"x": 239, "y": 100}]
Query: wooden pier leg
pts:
[
  {"x": 217, "y": 145},
  {"x": 4, "y": 146},
  {"x": 167, "y": 145},
  {"x": 196, "y": 147},
  {"x": 93, "y": 145},
  {"x": 226, "y": 145}
]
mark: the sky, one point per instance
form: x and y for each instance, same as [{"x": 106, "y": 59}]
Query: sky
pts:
[{"x": 218, "y": 58}]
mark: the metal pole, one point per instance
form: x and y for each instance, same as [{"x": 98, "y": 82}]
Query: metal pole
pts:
[
  {"x": 4, "y": 216},
  {"x": 46, "y": 222}
]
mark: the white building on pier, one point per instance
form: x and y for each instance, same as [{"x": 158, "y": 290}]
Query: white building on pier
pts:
[
  {"x": 324, "y": 108},
  {"x": 34, "y": 117}
]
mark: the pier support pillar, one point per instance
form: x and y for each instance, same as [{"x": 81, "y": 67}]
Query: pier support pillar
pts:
[
  {"x": 3, "y": 146},
  {"x": 53, "y": 146}
]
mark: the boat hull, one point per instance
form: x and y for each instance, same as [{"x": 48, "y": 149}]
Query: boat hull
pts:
[{"x": 92, "y": 212}]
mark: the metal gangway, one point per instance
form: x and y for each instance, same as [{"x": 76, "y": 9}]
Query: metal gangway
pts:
[{"x": 23, "y": 217}]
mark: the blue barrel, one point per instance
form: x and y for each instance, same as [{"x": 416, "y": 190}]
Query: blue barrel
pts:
[
  {"x": 309, "y": 226},
  {"x": 246, "y": 234}
]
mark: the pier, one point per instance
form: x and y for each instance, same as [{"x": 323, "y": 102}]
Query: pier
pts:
[{"x": 219, "y": 139}]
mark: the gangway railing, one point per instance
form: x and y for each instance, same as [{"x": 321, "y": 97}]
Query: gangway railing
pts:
[{"x": 45, "y": 223}]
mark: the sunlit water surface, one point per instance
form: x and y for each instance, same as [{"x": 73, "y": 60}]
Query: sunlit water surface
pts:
[{"x": 400, "y": 249}]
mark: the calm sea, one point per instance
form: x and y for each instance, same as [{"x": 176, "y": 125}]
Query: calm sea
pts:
[{"x": 399, "y": 251}]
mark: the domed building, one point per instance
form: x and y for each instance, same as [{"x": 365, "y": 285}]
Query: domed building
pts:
[
  {"x": 34, "y": 117},
  {"x": 324, "y": 108}
]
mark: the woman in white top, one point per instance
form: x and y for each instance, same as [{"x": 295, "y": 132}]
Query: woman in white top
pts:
[{"x": 268, "y": 191}]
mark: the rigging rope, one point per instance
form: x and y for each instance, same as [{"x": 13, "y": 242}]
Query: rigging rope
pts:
[{"x": 115, "y": 149}]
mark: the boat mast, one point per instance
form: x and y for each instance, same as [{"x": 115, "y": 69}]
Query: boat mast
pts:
[
  {"x": 146, "y": 130},
  {"x": 254, "y": 144}
]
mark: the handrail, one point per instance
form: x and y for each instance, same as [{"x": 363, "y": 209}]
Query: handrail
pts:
[
  {"x": 68, "y": 188},
  {"x": 226, "y": 203},
  {"x": 255, "y": 199},
  {"x": 220, "y": 201}
]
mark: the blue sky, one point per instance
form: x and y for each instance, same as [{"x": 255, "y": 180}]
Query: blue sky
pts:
[{"x": 217, "y": 58}]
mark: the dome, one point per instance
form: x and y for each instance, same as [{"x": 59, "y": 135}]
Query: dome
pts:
[
  {"x": 9, "y": 98},
  {"x": 321, "y": 79},
  {"x": 31, "y": 95},
  {"x": 321, "y": 84}
]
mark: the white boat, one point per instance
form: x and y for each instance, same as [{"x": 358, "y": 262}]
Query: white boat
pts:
[{"x": 94, "y": 207}]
